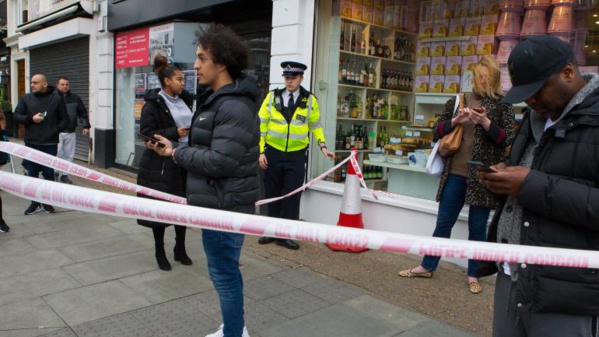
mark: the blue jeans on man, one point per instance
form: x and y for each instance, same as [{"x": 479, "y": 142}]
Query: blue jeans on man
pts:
[
  {"x": 222, "y": 253},
  {"x": 34, "y": 169},
  {"x": 452, "y": 200}
]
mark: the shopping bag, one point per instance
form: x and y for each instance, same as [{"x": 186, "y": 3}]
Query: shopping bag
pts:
[
  {"x": 435, "y": 164},
  {"x": 451, "y": 142}
]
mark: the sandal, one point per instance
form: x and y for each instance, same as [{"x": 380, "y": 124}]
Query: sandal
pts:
[
  {"x": 409, "y": 274},
  {"x": 475, "y": 287}
]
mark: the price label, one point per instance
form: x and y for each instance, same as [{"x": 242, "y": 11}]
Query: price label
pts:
[
  {"x": 416, "y": 133},
  {"x": 419, "y": 118},
  {"x": 377, "y": 150},
  {"x": 408, "y": 133},
  {"x": 398, "y": 152}
]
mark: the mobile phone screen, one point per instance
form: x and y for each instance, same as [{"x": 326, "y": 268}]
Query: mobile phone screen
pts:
[
  {"x": 480, "y": 166},
  {"x": 151, "y": 139}
]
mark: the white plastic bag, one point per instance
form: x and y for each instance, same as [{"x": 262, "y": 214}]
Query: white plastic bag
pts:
[{"x": 434, "y": 164}]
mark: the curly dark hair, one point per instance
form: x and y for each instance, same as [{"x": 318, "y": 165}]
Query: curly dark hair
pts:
[{"x": 226, "y": 48}]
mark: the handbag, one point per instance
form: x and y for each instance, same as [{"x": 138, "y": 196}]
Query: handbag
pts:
[
  {"x": 452, "y": 141},
  {"x": 435, "y": 164}
]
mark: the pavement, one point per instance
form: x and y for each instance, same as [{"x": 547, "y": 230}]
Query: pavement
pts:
[{"x": 79, "y": 274}]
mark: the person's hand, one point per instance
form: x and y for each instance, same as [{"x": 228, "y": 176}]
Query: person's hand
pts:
[
  {"x": 38, "y": 118},
  {"x": 183, "y": 132},
  {"x": 462, "y": 117},
  {"x": 263, "y": 162},
  {"x": 85, "y": 131},
  {"x": 479, "y": 116},
  {"x": 506, "y": 181},
  {"x": 327, "y": 153},
  {"x": 166, "y": 150}
]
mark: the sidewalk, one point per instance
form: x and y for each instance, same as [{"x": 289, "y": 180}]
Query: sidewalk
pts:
[{"x": 88, "y": 275}]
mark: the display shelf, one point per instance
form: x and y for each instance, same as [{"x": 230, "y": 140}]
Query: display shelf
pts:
[
  {"x": 348, "y": 151},
  {"x": 385, "y": 59},
  {"x": 417, "y": 128},
  {"x": 447, "y": 38},
  {"x": 403, "y": 167},
  {"x": 403, "y": 32},
  {"x": 343, "y": 85}
]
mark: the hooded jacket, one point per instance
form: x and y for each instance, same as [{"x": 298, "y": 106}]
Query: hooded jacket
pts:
[
  {"x": 560, "y": 209},
  {"x": 56, "y": 120},
  {"x": 221, "y": 157}
]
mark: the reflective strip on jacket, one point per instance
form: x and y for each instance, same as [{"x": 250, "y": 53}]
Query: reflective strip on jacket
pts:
[{"x": 289, "y": 137}]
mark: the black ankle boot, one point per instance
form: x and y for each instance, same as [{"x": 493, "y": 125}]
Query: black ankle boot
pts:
[
  {"x": 181, "y": 255},
  {"x": 163, "y": 263}
]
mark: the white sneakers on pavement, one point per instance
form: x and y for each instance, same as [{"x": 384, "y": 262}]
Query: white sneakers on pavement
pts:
[{"x": 220, "y": 333}]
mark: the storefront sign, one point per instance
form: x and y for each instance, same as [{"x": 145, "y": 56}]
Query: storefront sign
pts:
[
  {"x": 41, "y": 8},
  {"x": 132, "y": 48}
]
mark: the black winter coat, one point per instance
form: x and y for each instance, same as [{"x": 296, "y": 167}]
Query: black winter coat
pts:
[
  {"x": 560, "y": 200},
  {"x": 221, "y": 158},
  {"x": 76, "y": 111},
  {"x": 56, "y": 120},
  {"x": 155, "y": 171}
]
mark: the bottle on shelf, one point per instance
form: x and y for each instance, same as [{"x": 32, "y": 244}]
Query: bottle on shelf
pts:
[
  {"x": 352, "y": 43},
  {"x": 371, "y": 45},
  {"x": 380, "y": 52},
  {"x": 371, "y": 77},
  {"x": 348, "y": 140},
  {"x": 343, "y": 173},
  {"x": 365, "y": 137},
  {"x": 342, "y": 37}
]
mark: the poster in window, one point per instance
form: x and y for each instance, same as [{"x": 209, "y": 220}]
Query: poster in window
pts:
[
  {"x": 131, "y": 49},
  {"x": 191, "y": 83},
  {"x": 162, "y": 41},
  {"x": 153, "y": 81},
  {"x": 139, "y": 104},
  {"x": 140, "y": 83}
]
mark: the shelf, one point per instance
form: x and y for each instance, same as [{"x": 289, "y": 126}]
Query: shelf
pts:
[
  {"x": 377, "y": 57},
  {"x": 417, "y": 128},
  {"x": 348, "y": 151},
  {"x": 403, "y": 167},
  {"x": 375, "y": 89},
  {"x": 370, "y": 120},
  {"x": 379, "y": 26},
  {"x": 447, "y": 38}
]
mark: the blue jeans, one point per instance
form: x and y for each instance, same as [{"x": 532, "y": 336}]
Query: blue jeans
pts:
[
  {"x": 452, "y": 200},
  {"x": 222, "y": 253},
  {"x": 34, "y": 169}
]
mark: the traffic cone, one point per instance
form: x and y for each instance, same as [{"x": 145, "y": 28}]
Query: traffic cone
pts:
[{"x": 350, "y": 214}]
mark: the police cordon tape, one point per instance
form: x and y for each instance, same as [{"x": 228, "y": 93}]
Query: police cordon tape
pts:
[
  {"x": 83, "y": 172},
  {"x": 94, "y": 201}
]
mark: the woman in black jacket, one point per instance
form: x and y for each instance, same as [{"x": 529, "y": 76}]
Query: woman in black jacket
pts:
[{"x": 166, "y": 114}]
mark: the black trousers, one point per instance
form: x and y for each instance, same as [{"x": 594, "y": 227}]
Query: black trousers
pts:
[{"x": 285, "y": 173}]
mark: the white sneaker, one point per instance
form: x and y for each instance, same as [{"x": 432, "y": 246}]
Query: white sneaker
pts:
[{"x": 220, "y": 332}]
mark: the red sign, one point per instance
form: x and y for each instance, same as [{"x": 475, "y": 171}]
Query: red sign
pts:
[{"x": 132, "y": 48}]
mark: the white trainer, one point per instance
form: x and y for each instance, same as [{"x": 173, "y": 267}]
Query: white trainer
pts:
[{"x": 220, "y": 333}]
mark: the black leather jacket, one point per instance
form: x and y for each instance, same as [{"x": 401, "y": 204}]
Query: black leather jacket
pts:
[{"x": 56, "y": 120}]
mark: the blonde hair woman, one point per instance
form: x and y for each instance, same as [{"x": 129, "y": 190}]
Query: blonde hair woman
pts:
[{"x": 488, "y": 130}]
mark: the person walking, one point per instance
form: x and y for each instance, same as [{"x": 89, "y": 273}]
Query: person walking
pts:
[
  {"x": 44, "y": 115},
  {"x": 287, "y": 116},
  {"x": 550, "y": 195},
  {"x": 487, "y": 130},
  {"x": 68, "y": 139},
  {"x": 221, "y": 160},
  {"x": 166, "y": 114}
]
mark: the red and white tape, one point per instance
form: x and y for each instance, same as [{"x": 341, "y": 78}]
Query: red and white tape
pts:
[
  {"x": 56, "y": 163},
  {"x": 101, "y": 202},
  {"x": 309, "y": 183}
]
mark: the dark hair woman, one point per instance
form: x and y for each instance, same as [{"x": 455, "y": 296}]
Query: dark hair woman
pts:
[{"x": 165, "y": 113}]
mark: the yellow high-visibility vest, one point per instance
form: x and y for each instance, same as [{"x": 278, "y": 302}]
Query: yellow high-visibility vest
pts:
[{"x": 289, "y": 137}]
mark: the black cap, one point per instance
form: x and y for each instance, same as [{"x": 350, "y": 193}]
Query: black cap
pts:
[
  {"x": 532, "y": 62},
  {"x": 293, "y": 68}
]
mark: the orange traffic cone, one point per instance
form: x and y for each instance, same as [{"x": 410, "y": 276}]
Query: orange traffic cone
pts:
[{"x": 350, "y": 214}]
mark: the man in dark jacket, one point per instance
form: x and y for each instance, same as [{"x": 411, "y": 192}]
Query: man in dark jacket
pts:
[
  {"x": 45, "y": 115},
  {"x": 221, "y": 159},
  {"x": 551, "y": 184},
  {"x": 77, "y": 112}
]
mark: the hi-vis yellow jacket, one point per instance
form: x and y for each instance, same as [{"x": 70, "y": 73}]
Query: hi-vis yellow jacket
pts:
[{"x": 289, "y": 137}]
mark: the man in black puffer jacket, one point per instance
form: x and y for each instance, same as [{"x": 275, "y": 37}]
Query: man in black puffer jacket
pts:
[
  {"x": 551, "y": 184},
  {"x": 221, "y": 160},
  {"x": 45, "y": 115}
]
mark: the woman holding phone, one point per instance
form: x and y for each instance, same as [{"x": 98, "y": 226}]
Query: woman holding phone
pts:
[
  {"x": 167, "y": 114},
  {"x": 488, "y": 130}
]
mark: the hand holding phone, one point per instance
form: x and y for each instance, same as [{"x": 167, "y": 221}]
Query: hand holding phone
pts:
[
  {"x": 151, "y": 139},
  {"x": 480, "y": 166}
]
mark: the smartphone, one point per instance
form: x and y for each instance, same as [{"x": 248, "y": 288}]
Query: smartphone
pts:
[
  {"x": 151, "y": 139},
  {"x": 480, "y": 166},
  {"x": 44, "y": 114}
]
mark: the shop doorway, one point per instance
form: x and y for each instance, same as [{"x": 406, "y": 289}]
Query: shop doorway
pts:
[{"x": 20, "y": 92}]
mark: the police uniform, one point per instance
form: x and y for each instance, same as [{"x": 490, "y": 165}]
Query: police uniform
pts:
[{"x": 286, "y": 119}]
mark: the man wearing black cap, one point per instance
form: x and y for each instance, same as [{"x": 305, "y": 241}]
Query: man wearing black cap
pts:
[
  {"x": 287, "y": 116},
  {"x": 550, "y": 186}
]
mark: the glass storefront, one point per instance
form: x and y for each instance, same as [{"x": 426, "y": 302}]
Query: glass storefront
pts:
[{"x": 385, "y": 69}]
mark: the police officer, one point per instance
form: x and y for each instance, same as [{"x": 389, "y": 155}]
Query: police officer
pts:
[{"x": 286, "y": 118}]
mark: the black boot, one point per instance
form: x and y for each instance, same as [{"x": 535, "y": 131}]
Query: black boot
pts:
[
  {"x": 179, "y": 250},
  {"x": 161, "y": 259}
]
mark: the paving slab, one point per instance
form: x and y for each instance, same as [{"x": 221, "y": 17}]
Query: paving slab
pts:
[
  {"x": 17, "y": 229},
  {"x": 113, "y": 268},
  {"x": 332, "y": 291},
  {"x": 264, "y": 287},
  {"x": 176, "y": 319},
  {"x": 295, "y": 303},
  {"x": 259, "y": 317},
  {"x": 27, "y": 332},
  {"x": 392, "y": 315},
  {"x": 158, "y": 286},
  {"x": 208, "y": 303},
  {"x": 30, "y": 314},
  {"x": 32, "y": 262},
  {"x": 435, "y": 329},
  {"x": 122, "y": 325},
  {"x": 107, "y": 247},
  {"x": 129, "y": 226},
  {"x": 252, "y": 267},
  {"x": 74, "y": 236},
  {"x": 337, "y": 320},
  {"x": 11, "y": 244},
  {"x": 298, "y": 278},
  {"x": 96, "y": 301},
  {"x": 69, "y": 221},
  {"x": 66, "y": 332},
  {"x": 29, "y": 286}
]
